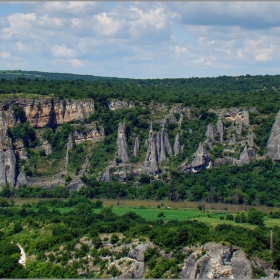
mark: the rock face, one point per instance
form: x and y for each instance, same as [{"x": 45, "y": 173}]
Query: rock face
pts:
[
  {"x": 273, "y": 145},
  {"x": 92, "y": 135},
  {"x": 210, "y": 133},
  {"x": 158, "y": 150},
  {"x": 8, "y": 163},
  {"x": 247, "y": 155},
  {"x": 220, "y": 129},
  {"x": 69, "y": 147},
  {"x": 177, "y": 144},
  {"x": 218, "y": 262},
  {"x": 50, "y": 112},
  {"x": 201, "y": 160},
  {"x": 136, "y": 146},
  {"x": 120, "y": 104},
  {"x": 19, "y": 149},
  {"x": 151, "y": 162},
  {"x": 138, "y": 252},
  {"x": 122, "y": 144}
]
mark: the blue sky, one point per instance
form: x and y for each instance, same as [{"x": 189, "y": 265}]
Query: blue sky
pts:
[{"x": 141, "y": 39}]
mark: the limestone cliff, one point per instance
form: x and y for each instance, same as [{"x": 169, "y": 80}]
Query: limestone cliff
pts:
[
  {"x": 120, "y": 104},
  {"x": 8, "y": 163},
  {"x": 92, "y": 135},
  {"x": 49, "y": 112}
]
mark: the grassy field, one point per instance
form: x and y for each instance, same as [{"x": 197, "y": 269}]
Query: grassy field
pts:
[
  {"x": 151, "y": 214},
  {"x": 208, "y": 217}
]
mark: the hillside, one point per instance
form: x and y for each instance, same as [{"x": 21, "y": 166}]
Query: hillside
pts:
[
  {"x": 76, "y": 238},
  {"x": 213, "y": 139}
]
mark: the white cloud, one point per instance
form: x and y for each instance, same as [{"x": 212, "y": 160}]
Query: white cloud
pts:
[
  {"x": 76, "y": 62},
  {"x": 105, "y": 24},
  {"x": 62, "y": 51},
  {"x": 143, "y": 39},
  {"x": 5, "y": 55},
  {"x": 264, "y": 54}
]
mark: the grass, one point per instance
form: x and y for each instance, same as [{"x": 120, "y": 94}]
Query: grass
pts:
[{"x": 151, "y": 214}]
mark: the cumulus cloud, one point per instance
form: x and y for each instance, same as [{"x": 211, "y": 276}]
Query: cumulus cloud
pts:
[
  {"x": 62, "y": 51},
  {"x": 5, "y": 55},
  {"x": 142, "y": 39}
]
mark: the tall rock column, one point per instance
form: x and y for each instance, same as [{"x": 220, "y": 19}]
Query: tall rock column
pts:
[
  {"x": 273, "y": 145},
  {"x": 150, "y": 166},
  {"x": 136, "y": 146},
  {"x": 122, "y": 144},
  {"x": 8, "y": 171},
  {"x": 177, "y": 144}
]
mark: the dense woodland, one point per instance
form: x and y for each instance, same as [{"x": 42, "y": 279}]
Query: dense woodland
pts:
[{"x": 223, "y": 92}]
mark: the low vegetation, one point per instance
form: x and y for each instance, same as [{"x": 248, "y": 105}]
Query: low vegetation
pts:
[{"x": 93, "y": 241}]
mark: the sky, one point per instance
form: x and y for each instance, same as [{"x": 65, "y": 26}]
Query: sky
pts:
[{"x": 141, "y": 39}]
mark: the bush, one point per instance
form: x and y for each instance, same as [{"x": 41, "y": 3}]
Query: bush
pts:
[
  {"x": 229, "y": 217},
  {"x": 255, "y": 217},
  {"x": 114, "y": 238}
]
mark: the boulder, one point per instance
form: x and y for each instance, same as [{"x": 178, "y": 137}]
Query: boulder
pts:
[{"x": 138, "y": 252}]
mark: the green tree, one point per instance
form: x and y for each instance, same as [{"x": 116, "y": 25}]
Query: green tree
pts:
[{"x": 255, "y": 217}]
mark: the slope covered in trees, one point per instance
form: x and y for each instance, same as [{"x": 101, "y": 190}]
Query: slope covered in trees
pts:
[{"x": 218, "y": 119}]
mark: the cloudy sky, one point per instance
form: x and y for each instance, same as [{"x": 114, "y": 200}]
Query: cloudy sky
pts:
[{"x": 141, "y": 39}]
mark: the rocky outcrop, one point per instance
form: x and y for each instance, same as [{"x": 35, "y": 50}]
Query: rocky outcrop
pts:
[
  {"x": 49, "y": 112},
  {"x": 201, "y": 160},
  {"x": 138, "y": 252},
  {"x": 158, "y": 150},
  {"x": 106, "y": 176},
  {"x": 69, "y": 147},
  {"x": 136, "y": 146},
  {"x": 91, "y": 135},
  {"x": 217, "y": 262},
  {"x": 247, "y": 155},
  {"x": 273, "y": 145},
  {"x": 210, "y": 134},
  {"x": 8, "y": 166},
  {"x": 220, "y": 130},
  {"x": 151, "y": 161},
  {"x": 234, "y": 115},
  {"x": 120, "y": 104},
  {"x": 19, "y": 149},
  {"x": 177, "y": 144},
  {"x": 8, "y": 162},
  {"x": 122, "y": 143},
  {"x": 117, "y": 171},
  {"x": 21, "y": 180}
]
